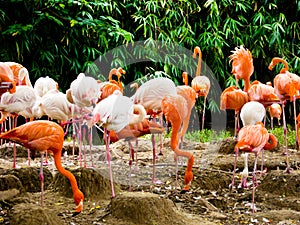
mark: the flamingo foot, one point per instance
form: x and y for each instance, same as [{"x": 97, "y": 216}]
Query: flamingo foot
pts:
[
  {"x": 155, "y": 181},
  {"x": 243, "y": 183}
]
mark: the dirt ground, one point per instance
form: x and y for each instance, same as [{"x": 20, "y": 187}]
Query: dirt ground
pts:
[{"x": 209, "y": 201}]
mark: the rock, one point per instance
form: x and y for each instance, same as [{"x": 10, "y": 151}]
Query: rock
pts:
[
  {"x": 145, "y": 208},
  {"x": 29, "y": 178},
  {"x": 31, "y": 214},
  {"x": 227, "y": 146},
  {"x": 94, "y": 184}
]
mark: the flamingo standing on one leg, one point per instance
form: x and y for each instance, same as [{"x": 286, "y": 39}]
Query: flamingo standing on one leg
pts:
[
  {"x": 114, "y": 113},
  {"x": 45, "y": 136},
  {"x": 174, "y": 109},
  {"x": 201, "y": 84},
  {"x": 253, "y": 138}
]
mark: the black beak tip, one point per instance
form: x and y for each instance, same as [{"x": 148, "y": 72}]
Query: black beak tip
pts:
[
  {"x": 183, "y": 191},
  {"x": 75, "y": 214}
]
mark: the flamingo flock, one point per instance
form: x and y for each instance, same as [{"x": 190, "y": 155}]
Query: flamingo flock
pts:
[{"x": 92, "y": 103}]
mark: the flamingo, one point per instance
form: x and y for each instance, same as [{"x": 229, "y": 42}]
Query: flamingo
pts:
[
  {"x": 190, "y": 96},
  {"x": 20, "y": 73},
  {"x": 251, "y": 113},
  {"x": 45, "y": 136},
  {"x": 84, "y": 92},
  {"x": 253, "y": 138},
  {"x": 114, "y": 113},
  {"x": 150, "y": 95},
  {"x": 108, "y": 87},
  {"x": 201, "y": 84},
  {"x": 287, "y": 86},
  {"x": 7, "y": 79},
  {"x": 174, "y": 109},
  {"x": 44, "y": 84},
  {"x": 233, "y": 98},
  {"x": 275, "y": 110},
  {"x": 19, "y": 103}
]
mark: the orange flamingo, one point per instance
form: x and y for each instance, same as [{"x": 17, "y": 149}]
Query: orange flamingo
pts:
[
  {"x": 190, "y": 96},
  {"x": 201, "y": 84},
  {"x": 275, "y": 110},
  {"x": 233, "y": 98},
  {"x": 253, "y": 138},
  {"x": 287, "y": 86},
  {"x": 7, "y": 82},
  {"x": 45, "y": 136},
  {"x": 174, "y": 109},
  {"x": 107, "y": 88}
]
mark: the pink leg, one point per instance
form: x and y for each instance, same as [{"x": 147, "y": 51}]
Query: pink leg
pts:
[
  {"x": 42, "y": 180},
  {"x": 90, "y": 144},
  {"x": 231, "y": 186},
  {"x": 84, "y": 147},
  {"x": 131, "y": 156},
  {"x": 203, "y": 114},
  {"x": 107, "y": 137}
]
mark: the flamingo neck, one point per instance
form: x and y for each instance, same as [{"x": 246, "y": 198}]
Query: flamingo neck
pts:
[
  {"x": 199, "y": 64},
  {"x": 64, "y": 172},
  {"x": 140, "y": 116},
  {"x": 247, "y": 84}
]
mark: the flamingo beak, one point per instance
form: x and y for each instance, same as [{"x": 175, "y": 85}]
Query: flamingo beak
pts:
[{"x": 79, "y": 208}]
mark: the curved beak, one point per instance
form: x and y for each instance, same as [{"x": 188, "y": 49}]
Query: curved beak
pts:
[{"x": 79, "y": 208}]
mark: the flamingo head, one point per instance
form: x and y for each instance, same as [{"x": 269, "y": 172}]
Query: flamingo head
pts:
[{"x": 78, "y": 199}]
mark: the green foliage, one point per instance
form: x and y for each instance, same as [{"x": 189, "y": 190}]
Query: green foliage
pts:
[
  {"x": 279, "y": 134},
  {"x": 207, "y": 135}
]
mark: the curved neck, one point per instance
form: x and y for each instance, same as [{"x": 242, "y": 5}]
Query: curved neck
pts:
[
  {"x": 136, "y": 118},
  {"x": 113, "y": 71},
  {"x": 64, "y": 172}
]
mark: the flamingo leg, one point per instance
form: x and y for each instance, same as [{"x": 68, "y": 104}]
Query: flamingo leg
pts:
[
  {"x": 14, "y": 144},
  {"x": 203, "y": 114},
  {"x": 90, "y": 135},
  {"x": 231, "y": 186},
  {"x": 295, "y": 120},
  {"x": 161, "y": 137},
  {"x": 136, "y": 151},
  {"x": 84, "y": 143},
  {"x": 272, "y": 123},
  {"x": 154, "y": 180},
  {"x": 107, "y": 137},
  {"x": 254, "y": 182},
  {"x": 131, "y": 155},
  {"x": 285, "y": 139},
  {"x": 42, "y": 179}
]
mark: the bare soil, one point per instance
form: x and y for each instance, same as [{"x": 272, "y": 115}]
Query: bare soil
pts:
[{"x": 209, "y": 201}]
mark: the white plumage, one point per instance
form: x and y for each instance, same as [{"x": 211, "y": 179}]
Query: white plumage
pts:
[
  {"x": 117, "y": 111},
  {"x": 20, "y": 102},
  {"x": 44, "y": 84},
  {"x": 151, "y": 93},
  {"x": 85, "y": 90},
  {"x": 252, "y": 112}
]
